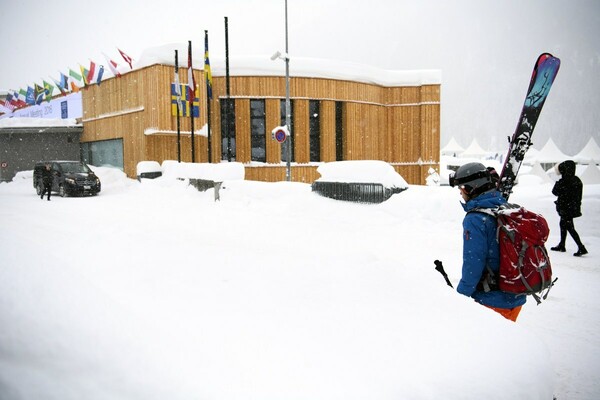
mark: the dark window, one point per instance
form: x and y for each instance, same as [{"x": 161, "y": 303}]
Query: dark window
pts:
[
  {"x": 289, "y": 142},
  {"x": 257, "y": 130},
  {"x": 103, "y": 152},
  {"x": 339, "y": 131},
  {"x": 228, "y": 129},
  {"x": 314, "y": 109}
]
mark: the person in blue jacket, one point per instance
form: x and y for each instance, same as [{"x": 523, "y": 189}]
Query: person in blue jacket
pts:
[{"x": 481, "y": 255}]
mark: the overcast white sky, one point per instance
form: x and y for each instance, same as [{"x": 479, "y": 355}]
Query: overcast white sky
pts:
[{"x": 484, "y": 48}]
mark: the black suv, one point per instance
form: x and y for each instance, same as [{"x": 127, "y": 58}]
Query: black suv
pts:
[{"x": 68, "y": 178}]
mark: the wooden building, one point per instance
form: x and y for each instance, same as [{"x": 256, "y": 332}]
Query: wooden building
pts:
[{"x": 394, "y": 119}]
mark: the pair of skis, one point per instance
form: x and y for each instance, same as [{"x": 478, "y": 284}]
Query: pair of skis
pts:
[{"x": 544, "y": 72}]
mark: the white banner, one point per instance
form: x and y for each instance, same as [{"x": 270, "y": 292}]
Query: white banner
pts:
[{"x": 65, "y": 107}]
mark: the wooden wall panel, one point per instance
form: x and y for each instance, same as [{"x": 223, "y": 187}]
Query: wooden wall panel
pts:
[{"x": 301, "y": 132}]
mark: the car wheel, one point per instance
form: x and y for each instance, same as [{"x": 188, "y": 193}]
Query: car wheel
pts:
[
  {"x": 61, "y": 191},
  {"x": 39, "y": 189}
]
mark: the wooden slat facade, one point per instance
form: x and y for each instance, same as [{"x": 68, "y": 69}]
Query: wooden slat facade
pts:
[{"x": 400, "y": 125}]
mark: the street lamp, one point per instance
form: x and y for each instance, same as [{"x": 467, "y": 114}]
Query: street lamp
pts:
[{"x": 288, "y": 124}]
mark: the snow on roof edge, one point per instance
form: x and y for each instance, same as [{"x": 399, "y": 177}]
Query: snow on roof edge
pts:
[{"x": 262, "y": 65}]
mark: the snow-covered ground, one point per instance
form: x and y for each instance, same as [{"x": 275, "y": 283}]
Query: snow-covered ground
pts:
[{"x": 153, "y": 290}]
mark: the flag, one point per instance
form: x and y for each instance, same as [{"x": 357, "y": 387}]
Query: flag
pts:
[
  {"x": 191, "y": 81},
  {"x": 100, "y": 73},
  {"x": 30, "y": 98},
  {"x": 75, "y": 77},
  {"x": 64, "y": 81},
  {"x": 177, "y": 84},
  {"x": 112, "y": 66},
  {"x": 39, "y": 93},
  {"x": 48, "y": 90},
  {"x": 20, "y": 97},
  {"x": 8, "y": 103},
  {"x": 207, "y": 72},
  {"x": 58, "y": 85},
  {"x": 127, "y": 59},
  {"x": 181, "y": 92},
  {"x": 84, "y": 74},
  {"x": 91, "y": 74}
]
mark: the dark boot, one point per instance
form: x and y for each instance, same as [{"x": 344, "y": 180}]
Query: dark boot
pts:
[
  {"x": 582, "y": 250},
  {"x": 560, "y": 247}
]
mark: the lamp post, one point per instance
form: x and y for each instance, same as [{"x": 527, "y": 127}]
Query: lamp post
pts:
[{"x": 288, "y": 122}]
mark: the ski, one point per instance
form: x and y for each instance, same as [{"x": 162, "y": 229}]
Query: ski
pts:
[{"x": 544, "y": 72}]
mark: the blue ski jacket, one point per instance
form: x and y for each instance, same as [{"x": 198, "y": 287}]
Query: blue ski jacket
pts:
[{"x": 480, "y": 248}]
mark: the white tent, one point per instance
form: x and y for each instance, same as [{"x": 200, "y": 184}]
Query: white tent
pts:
[
  {"x": 537, "y": 170},
  {"x": 474, "y": 150},
  {"x": 452, "y": 148},
  {"x": 591, "y": 152},
  {"x": 591, "y": 175},
  {"x": 551, "y": 154}
]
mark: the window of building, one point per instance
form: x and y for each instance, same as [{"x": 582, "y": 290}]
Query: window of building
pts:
[
  {"x": 339, "y": 131},
  {"x": 227, "y": 129},
  {"x": 290, "y": 141},
  {"x": 314, "y": 109},
  {"x": 103, "y": 152},
  {"x": 257, "y": 131}
]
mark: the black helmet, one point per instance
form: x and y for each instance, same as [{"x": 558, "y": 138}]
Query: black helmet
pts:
[{"x": 473, "y": 177}]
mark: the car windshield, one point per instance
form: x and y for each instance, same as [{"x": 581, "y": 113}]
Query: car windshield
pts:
[{"x": 74, "y": 167}]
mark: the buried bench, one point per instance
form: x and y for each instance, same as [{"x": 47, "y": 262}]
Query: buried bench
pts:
[{"x": 355, "y": 191}]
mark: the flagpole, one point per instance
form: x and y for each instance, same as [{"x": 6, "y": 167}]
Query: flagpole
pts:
[
  {"x": 208, "y": 97},
  {"x": 191, "y": 100},
  {"x": 228, "y": 106},
  {"x": 178, "y": 126}
]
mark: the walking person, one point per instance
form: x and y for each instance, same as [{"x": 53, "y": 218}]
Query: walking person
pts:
[
  {"x": 481, "y": 252},
  {"x": 569, "y": 191},
  {"x": 47, "y": 181}
]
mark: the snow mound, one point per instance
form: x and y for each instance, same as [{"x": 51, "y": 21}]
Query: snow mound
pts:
[{"x": 367, "y": 171}]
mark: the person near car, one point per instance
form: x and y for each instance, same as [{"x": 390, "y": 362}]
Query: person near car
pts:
[
  {"x": 47, "y": 181},
  {"x": 481, "y": 251},
  {"x": 569, "y": 191}
]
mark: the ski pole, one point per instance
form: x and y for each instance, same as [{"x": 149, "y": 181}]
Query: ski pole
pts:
[{"x": 440, "y": 268}]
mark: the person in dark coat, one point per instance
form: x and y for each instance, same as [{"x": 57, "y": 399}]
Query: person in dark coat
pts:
[
  {"x": 47, "y": 181},
  {"x": 569, "y": 190}
]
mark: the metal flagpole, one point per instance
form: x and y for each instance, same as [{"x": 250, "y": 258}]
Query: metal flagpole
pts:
[
  {"x": 178, "y": 93},
  {"x": 191, "y": 94},
  {"x": 288, "y": 173}
]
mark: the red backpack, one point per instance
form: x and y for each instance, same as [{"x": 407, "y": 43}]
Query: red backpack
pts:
[{"x": 524, "y": 263}]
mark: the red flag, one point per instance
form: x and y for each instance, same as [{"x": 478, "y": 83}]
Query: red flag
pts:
[
  {"x": 91, "y": 72},
  {"x": 191, "y": 80},
  {"x": 127, "y": 59},
  {"x": 113, "y": 66}
]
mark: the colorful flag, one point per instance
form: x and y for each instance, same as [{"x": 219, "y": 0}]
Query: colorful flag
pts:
[
  {"x": 127, "y": 59},
  {"x": 112, "y": 66},
  {"x": 58, "y": 85},
  {"x": 8, "y": 103},
  {"x": 207, "y": 72},
  {"x": 30, "y": 97},
  {"x": 91, "y": 74},
  {"x": 75, "y": 77},
  {"x": 20, "y": 97},
  {"x": 184, "y": 106},
  {"x": 48, "y": 90},
  {"x": 39, "y": 93},
  {"x": 64, "y": 81},
  {"x": 100, "y": 73},
  {"x": 177, "y": 84},
  {"x": 191, "y": 81},
  {"x": 84, "y": 74}
]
